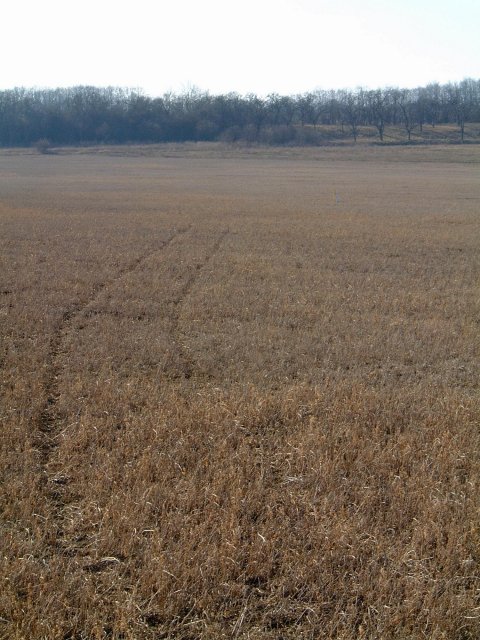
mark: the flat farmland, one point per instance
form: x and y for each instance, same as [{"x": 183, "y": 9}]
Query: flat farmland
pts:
[{"x": 240, "y": 393}]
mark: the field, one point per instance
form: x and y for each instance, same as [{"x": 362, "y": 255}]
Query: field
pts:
[{"x": 240, "y": 393}]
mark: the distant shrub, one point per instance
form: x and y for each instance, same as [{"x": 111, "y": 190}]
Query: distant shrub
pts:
[
  {"x": 279, "y": 135},
  {"x": 206, "y": 130},
  {"x": 232, "y": 134},
  {"x": 43, "y": 146},
  {"x": 307, "y": 136}
]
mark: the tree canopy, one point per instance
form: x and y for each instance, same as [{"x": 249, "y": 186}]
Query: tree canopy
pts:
[{"x": 88, "y": 115}]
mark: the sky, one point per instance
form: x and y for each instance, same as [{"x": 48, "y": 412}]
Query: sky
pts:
[{"x": 252, "y": 46}]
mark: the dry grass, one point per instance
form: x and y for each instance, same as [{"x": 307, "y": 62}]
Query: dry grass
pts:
[{"x": 240, "y": 394}]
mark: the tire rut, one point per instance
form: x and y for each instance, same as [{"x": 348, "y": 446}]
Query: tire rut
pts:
[
  {"x": 188, "y": 364},
  {"x": 49, "y": 421}
]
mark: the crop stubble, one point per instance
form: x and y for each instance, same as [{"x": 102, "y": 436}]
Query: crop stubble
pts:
[{"x": 240, "y": 395}]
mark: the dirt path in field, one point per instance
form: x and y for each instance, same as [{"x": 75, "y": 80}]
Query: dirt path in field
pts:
[{"x": 49, "y": 422}]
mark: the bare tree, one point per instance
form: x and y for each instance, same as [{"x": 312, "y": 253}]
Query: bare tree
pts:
[
  {"x": 459, "y": 104},
  {"x": 408, "y": 110},
  {"x": 378, "y": 105},
  {"x": 352, "y": 111}
]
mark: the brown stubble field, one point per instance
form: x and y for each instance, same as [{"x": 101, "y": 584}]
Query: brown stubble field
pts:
[{"x": 240, "y": 393}]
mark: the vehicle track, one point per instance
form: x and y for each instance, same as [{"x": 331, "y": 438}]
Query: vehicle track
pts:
[
  {"x": 50, "y": 425},
  {"x": 188, "y": 364},
  {"x": 49, "y": 421}
]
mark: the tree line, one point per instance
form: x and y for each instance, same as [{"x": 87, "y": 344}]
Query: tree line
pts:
[{"x": 87, "y": 115}]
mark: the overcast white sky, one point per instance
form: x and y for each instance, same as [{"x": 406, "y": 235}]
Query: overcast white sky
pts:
[{"x": 259, "y": 46}]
